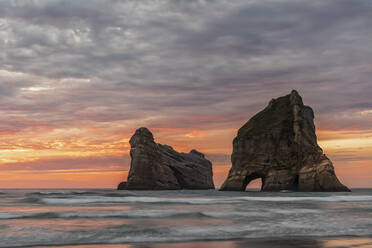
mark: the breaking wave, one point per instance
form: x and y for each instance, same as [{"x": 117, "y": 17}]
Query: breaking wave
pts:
[{"x": 191, "y": 201}]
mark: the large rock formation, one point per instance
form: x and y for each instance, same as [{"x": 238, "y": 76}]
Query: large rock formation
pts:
[
  {"x": 159, "y": 167},
  {"x": 279, "y": 146}
]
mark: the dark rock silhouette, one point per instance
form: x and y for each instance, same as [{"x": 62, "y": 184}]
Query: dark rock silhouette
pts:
[
  {"x": 159, "y": 167},
  {"x": 279, "y": 145},
  {"x": 122, "y": 186}
]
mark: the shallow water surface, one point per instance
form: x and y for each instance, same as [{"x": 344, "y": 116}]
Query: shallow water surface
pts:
[{"x": 109, "y": 218}]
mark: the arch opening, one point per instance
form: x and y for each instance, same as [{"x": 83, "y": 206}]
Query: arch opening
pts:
[
  {"x": 295, "y": 182},
  {"x": 253, "y": 181}
]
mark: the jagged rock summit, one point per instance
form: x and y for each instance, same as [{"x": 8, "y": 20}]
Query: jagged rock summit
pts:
[
  {"x": 279, "y": 145},
  {"x": 159, "y": 167}
]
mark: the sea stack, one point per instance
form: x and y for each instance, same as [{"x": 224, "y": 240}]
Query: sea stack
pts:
[
  {"x": 279, "y": 145},
  {"x": 159, "y": 167}
]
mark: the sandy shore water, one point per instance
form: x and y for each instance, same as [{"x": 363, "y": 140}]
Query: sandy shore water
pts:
[{"x": 155, "y": 219}]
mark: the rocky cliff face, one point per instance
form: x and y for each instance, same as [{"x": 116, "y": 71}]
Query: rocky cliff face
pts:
[
  {"x": 159, "y": 167},
  {"x": 279, "y": 145}
]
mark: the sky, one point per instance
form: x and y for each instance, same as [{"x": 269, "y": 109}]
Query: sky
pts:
[{"x": 77, "y": 78}]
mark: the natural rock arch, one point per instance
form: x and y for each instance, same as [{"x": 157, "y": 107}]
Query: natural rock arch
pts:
[{"x": 279, "y": 145}]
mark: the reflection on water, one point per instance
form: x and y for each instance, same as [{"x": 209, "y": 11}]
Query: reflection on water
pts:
[
  {"x": 362, "y": 243},
  {"x": 29, "y": 226},
  {"x": 292, "y": 243},
  {"x": 38, "y": 208}
]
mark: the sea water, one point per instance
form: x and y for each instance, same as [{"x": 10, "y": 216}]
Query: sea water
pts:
[{"x": 208, "y": 218}]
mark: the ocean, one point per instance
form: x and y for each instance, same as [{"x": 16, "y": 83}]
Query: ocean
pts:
[{"x": 94, "y": 218}]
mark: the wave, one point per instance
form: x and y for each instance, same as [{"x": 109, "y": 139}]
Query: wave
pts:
[
  {"x": 129, "y": 199},
  {"x": 334, "y": 198},
  {"x": 124, "y": 234},
  {"x": 121, "y": 234},
  {"x": 30, "y": 200},
  {"x": 113, "y": 214},
  {"x": 39, "y": 215},
  {"x": 192, "y": 201},
  {"x": 78, "y": 193},
  {"x": 155, "y": 214}
]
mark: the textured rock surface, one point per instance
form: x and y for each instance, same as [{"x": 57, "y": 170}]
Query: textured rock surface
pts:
[
  {"x": 159, "y": 167},
  {"x": 279, "y": 146}
]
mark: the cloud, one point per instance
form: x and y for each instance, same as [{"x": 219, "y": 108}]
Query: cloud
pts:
[
  {"x": 127, "y": 60},
  {"x": 106, "y": 66},
  {"x": 99, "y": 163}
]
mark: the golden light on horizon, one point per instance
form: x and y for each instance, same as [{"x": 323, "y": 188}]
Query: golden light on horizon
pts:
[{"x": 74, "y": 143}]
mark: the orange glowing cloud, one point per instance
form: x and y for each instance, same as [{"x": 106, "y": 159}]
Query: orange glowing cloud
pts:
[{"x": 73, "y": 157}]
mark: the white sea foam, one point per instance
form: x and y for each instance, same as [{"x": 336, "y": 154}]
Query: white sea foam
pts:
[
  {"x": 200, "y": 201},
  {"x": 102, "y": 214},
  {"x": 130, "y": 199},
  {"x": 334, "y": 198},
  {"x": 154, "y": 214}
]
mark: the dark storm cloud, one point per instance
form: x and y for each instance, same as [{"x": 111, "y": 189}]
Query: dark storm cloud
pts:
[{"x": 169, "y": 61}]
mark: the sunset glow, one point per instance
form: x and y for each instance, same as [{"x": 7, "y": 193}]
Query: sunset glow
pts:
[{"x": 80, "y": 158}]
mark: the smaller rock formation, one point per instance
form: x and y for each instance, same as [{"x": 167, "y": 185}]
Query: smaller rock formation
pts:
[
  {"x": 279, "y": 145},
  {"x": 159, "y": 167}
]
